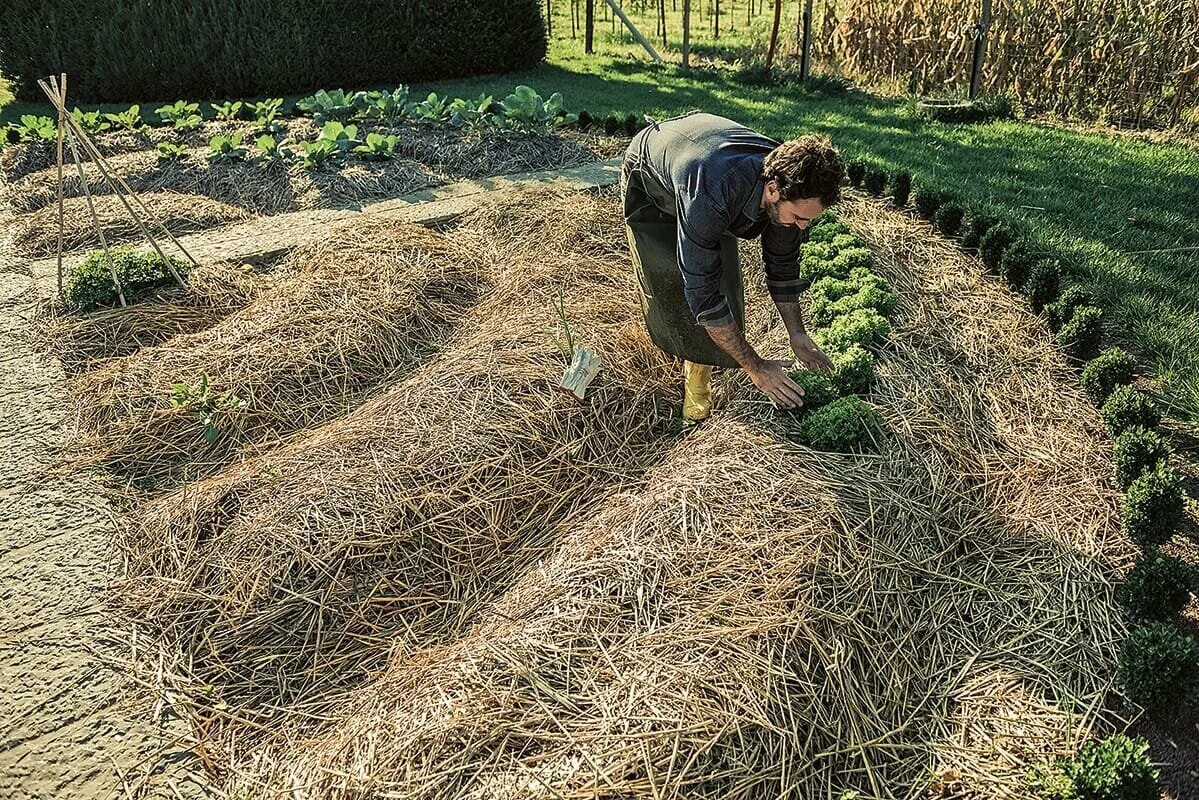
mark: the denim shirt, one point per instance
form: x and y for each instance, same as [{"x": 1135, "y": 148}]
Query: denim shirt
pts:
[{"x": 710, "y": 171}]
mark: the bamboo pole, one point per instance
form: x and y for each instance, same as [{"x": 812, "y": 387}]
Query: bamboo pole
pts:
[
  {"x": 641, "y": 40},
  {"x": 123, "y": 193},
  {"x": 61, "y": 132},
  {"x": 52, "y": 91}
]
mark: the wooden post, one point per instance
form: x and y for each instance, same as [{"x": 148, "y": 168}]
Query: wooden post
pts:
[
  {"x": 716, "y": 22},
  {"x": 641, "y": 40},
  {"x": 805, "y": 59},
  {"x": 589, "y": 29},
  {"x": 686, "y": 34},
  {"x": 662, "y": 11},
  {"x": 980, "y": 49},
  {"x": 774, "y": 36},
  {"x": 549, "y": 19}
]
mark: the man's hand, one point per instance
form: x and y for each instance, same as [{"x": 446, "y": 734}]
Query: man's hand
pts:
[
  {"x": 809, "y": 354},
  {"x": 772, "y": 380}
]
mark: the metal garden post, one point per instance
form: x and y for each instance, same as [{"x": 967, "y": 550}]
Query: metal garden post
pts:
[{"x": 980, "y": 49}]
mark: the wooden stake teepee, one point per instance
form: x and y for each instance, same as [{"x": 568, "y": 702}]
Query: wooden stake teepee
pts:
[{"x": 70, "y": 132}]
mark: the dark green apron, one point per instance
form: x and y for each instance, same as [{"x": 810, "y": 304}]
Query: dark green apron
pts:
[{"x": 653, "y": 241}]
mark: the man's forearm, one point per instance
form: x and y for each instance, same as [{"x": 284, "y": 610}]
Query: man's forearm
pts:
[
  {"x": 731, "y": 340},
  {"x": 792, "y": 319}
]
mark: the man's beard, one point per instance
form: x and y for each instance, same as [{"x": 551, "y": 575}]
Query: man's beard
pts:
[{"x": 772, "y": 211}]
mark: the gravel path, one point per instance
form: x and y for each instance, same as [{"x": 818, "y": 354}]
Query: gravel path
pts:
[{"x": 69, "y": 727}]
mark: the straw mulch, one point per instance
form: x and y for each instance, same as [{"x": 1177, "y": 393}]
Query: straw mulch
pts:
[
  {"x": 36, "y": 233},
  {"x": 213, "y": 291},
  {"x": 365, "y": 304},
  {"x": 428, "y": 157},
  {"x": 288, "y": 578},
  {"x": 754, "y": 619}
]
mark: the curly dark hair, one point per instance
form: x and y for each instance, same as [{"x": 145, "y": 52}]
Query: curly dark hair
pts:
[{"x": 806, "y": 167}]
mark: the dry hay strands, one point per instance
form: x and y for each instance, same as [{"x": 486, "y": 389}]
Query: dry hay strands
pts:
[
  {"x": 36, "y": 234},
  {"x": 366, "y": 303},
  {"x": 755, "y": 622},
  {"x": 81, "y": 341},
  {"x": 261, "y": 188},
  {"x": 290, "y": 576},
  {"x": 480, "y": 154},
  {"x": 353, "y": 183}
]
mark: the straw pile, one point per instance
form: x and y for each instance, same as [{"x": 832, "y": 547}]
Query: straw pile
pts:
[
  {"x": 756, "y": 620},
  {"x": 36, "y": 234},
  {"x": 213, "y": 292},
  {"x": 366, "y": 303},
  {"x": 287, "y": 578}
]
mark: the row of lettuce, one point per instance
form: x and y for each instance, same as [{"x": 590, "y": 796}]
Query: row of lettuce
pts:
[
  {"x": 848, "y": 312},
  {"x": 1158, "y": 666}
]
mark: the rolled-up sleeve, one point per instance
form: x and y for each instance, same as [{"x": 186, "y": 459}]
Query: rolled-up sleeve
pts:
[
  {"x": 780, "y": 256},
  {"x": 702, "y": 221}
]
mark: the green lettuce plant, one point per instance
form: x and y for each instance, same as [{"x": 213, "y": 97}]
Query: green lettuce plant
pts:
[{"x": 181, "y": 115}]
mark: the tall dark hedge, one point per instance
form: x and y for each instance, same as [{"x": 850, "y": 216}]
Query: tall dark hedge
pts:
[{"x": 148, "y": 50}]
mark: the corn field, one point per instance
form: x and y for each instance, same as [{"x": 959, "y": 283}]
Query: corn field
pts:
[{"x": 1120, "y": 61}]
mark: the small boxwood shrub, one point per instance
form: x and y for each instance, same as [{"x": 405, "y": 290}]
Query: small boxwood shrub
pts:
[
  {"x": 992, "y": 245},
  {"x": 948, "y": 219},
  {"x": 1116, "y": 768},
  {"x": 1081, "y": 336},
  {"x": 826, "y": 233},
  {"x": 875, "y": 182},
  {"x": 585, "y": 121},
  {"x": 1061, "y": 310},
  {"x": 1016, "y": 263},
  {"x": 853, "y": 369},
  {"x": 613, "y": 125},
  {"x": 1137, "y": 451},
  {"x": 844, "y": 425},
  {"x": 89, "y": 284},
  {"x": 1111, "y": 368},
  {"x": 632, "y": 124},
  {"x": 928, "y": 200},
  {"x": 1127, "y": 407},
  {"x": 1043, "y": 283},
  {"x": 1157, "y": 588},
  {"x": 864, "y": 326},
  {"x": 901, "y": 187},
  {"x": 1153, "y": 507},
  {"x": 976, "y": 227},
  {"x": 856, "y": 171},
  {"x": 818, "y": 388},
  {"x": 1158, "y": 667}
]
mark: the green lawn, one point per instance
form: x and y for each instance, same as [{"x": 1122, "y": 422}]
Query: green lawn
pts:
[{"x": 1098, "y": 202}]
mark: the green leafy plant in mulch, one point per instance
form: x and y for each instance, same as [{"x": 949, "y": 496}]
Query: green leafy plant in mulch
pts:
[
  {"x": 1138, "y": 450},
  {"x": 227, "y": 111},
  {"x": 844, "y": 425},
  {"x": 1116, "y": 768},
  {"x": 928, "y": 200},
  {"x": 89, "y": 284},
  {"x": 947, "y": 219},
  {"x": 853, "y": 369},
  {"x": 378, "y": 147},
  {"x": 1110, "y": 369},
  {"x": 975, "y": 228},
  {"x": 1127, "y": 407},
  {"x": 819, "y": 388},
  {"x": 227, "y": 148},
  {"x": 168, "y": 152},
  {"x": 1158, "y": 668},
  {"x": 129, "y": 120},
  {"x": 1153, "y": 507},
  {"x": 207, "y": 404},
  {"x": 863, "y": 326},
  {"x": 992, "y": 245},
  {"x": 855, "y": 170},
  {"x": 874, "y": 182},
  {"x": 1061, "y": 311},
  {"x": 827, "y": 232},
  {"x": 91, "y": 121},
  {"x": 1043, "y": 283},
  {"x": 1157, "y": 588},
  {"x": 1081, "y": 337},
  {"x": 180, "y": 115}
]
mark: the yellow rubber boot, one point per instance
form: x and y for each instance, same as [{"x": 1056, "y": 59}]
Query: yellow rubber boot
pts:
[{"x": 697, "y": 391}]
